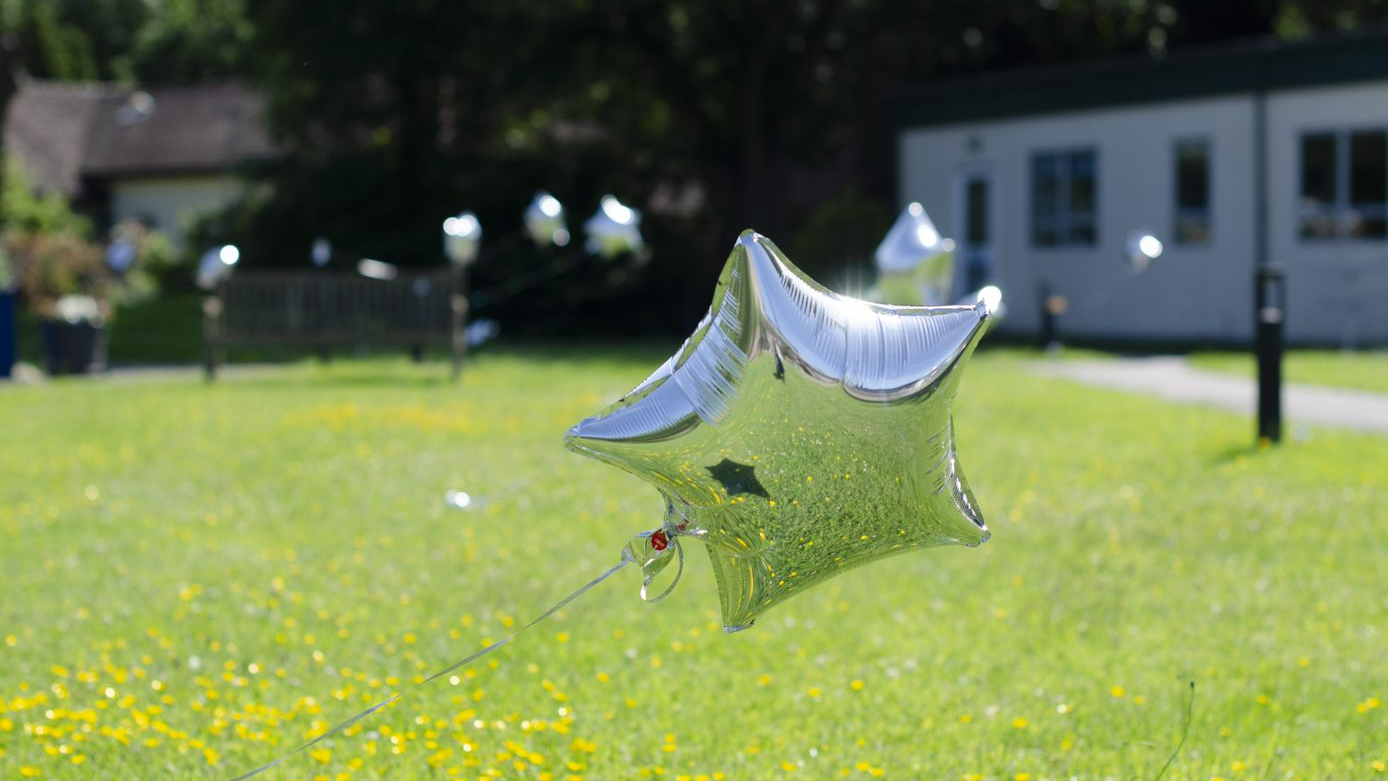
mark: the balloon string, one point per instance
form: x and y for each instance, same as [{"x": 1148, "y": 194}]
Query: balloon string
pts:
[{"x": 470, "y": 658}]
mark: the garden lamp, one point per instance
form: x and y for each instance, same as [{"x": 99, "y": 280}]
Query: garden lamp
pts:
[{"x": 544, "y": 221}]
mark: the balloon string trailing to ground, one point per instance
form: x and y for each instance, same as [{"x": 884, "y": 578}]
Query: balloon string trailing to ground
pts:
[{"x": 469, "y": 659}]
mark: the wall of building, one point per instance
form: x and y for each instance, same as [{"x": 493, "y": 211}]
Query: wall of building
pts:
[
  {"x": 168, "y": 203},
  {"x": 1192, "y": 293},
  {"x": 1337, "y": 289}
]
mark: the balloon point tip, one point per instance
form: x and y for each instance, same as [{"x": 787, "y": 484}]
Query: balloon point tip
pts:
[{"x": 989, "y": 298}]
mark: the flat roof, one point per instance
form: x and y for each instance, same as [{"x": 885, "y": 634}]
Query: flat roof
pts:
[{"x": 1184, "y": 74}]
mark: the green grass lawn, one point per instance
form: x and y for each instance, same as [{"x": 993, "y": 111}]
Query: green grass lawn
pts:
[
  {"x": 200, "y": 577},
  {"x": 1362, "y": 370}
]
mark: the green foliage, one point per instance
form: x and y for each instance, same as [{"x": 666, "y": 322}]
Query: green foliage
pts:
[
  {"x": 23, "y": 208},
  {"x": 134, "y": 41},
  {"x": 49, "y": 254},
  {"x": 192, "y": 40},
  {"x": 836, "y": 241},
  {"x": 76, "y": 39},
  {"x": 268, "y": 540}
]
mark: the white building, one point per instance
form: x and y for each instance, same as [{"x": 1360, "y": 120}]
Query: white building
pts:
[
  {"x": 161, "y": 157},
  {"x": 1040, "y": 175}
]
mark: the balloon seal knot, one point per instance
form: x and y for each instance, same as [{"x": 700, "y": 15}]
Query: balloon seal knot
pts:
[{"x": 653, "y": 551}]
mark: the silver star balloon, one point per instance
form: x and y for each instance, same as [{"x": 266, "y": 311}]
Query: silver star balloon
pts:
[
  {"x": 545, "y": 222},
  {"x": 915, "y": 264},
  {"x": 798, "y": 433},
  {"x": 613, "y": 230},
  {"x": 1140, "y": 249}
]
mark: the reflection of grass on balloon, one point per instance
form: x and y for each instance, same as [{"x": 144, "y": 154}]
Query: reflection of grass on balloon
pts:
[{"x": 198, "y": 578}]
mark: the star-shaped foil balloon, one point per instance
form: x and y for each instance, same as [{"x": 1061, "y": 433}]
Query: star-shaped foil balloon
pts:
[{"x": 798, "y": 433}]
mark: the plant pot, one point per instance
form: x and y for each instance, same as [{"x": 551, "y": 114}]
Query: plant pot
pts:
[{"x": 73, "y": 348}]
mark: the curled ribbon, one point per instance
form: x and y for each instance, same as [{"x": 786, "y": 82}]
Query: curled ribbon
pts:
[{"x": 652, "y": 551}]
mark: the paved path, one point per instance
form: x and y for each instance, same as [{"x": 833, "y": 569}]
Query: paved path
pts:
[
  {"x": 27, "y": 375},
  {"x": 1172, "y": 379}
]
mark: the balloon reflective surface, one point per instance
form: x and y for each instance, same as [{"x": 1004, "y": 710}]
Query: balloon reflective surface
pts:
[
  {"x": 614, "y": 229},
  {"x": 544, "y": 221},
  {"x": 1141, "y": 248},
  {"x": 321, "y": 253},
  {"x": 120, "y": 255},
  {"x": 377, "y": 269},
  {"x": 915, "y": 264},
  {"x": 461, "y": 236},
  {"x": 216, "y": 265},
  {"x": 481, "y": 331},
  {"x": 798, "y": 433}
]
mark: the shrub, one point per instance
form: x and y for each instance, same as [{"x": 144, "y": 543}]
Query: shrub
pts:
[{"x": 51, "y": 266}]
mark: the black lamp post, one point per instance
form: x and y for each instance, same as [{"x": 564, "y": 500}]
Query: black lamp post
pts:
[
  {"x": 214, "y": 269},
  {"x": 1271, "y": 303},
  {"x": 1269, "y": 279},
  {"x": 461, "y": 236}
]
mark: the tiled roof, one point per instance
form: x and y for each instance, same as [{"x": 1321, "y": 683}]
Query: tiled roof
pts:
[
  {"x": 63, "y": 132},
  {"x": 205, "y": 127},
  {"x": 48, "y": 128}
]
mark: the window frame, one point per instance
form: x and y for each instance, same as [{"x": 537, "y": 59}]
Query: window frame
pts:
[
  {"x": 1179, "y": 213},
  {"x": 1338, "y": 210},
  {"x": 1062, "y": 222}
]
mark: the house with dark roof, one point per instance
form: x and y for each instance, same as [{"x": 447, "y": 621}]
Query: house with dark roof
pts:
[
  {"x": 161, "y": 155},
  {"x": 1233, "y": 156}
]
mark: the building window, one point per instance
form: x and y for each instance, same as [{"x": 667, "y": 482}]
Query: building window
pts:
[
  {"x": 1064, "y": 198},
  {"x": 1344, "y": 185},
  {"x": 1192, "y": 192}
]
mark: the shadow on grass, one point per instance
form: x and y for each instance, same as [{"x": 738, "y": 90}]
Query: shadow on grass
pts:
[{"x": 1234, "y": 453}]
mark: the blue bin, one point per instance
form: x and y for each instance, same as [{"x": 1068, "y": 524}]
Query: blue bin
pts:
[{"x": 8, "y": 333}]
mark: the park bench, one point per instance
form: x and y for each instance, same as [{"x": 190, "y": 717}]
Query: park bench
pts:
[{"x": 324, "y": 310}]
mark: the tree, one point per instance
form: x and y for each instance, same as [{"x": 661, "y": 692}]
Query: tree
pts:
[
  {"x": 190, "y": 40},
  {"x": 76, "y": 39}
]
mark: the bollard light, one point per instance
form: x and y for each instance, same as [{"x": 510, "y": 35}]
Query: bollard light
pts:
[{"x": 1270, "y": 294}]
